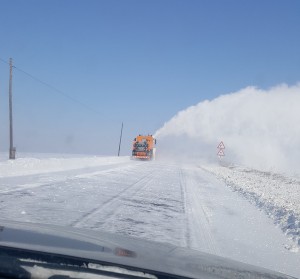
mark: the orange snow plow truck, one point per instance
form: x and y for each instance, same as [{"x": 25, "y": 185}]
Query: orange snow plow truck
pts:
[{"x": 143, "y": 147}]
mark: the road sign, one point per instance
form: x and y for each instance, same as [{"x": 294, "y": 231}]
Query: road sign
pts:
[
  {"x": 221, "y": 145},
  {"x": 221, "y": 148},
  {"x": 221, "y": 152}
]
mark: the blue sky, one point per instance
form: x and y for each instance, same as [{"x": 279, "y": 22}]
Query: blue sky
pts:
[{"x": 134, "y": 61}]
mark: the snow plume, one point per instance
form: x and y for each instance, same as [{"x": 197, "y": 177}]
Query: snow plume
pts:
[{"x": 260, "y": 129}]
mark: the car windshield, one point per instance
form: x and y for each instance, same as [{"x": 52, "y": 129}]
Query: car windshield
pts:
[{"x": 169, "y": 121}]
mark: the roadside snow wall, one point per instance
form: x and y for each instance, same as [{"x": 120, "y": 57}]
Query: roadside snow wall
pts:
[{"x": 273, "y": 193}]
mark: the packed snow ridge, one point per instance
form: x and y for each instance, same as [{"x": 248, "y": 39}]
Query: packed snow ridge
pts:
[
  {"x": 276, "y": 194},
  {"x": 30, "y": 164}
]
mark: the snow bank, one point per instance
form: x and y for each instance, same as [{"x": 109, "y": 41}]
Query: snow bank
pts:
[
  {"x": 43, "y": 163},
  {"x": 259, "y": 129},
  {"x": 274, "y": 193}
]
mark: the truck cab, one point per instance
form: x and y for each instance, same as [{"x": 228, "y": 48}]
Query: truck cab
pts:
[{"x": 143, "y": 147}]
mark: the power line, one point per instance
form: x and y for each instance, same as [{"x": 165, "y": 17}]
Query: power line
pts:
[
  {"x": 52, "y": 87},
  {"x": 4, "y": 61}
]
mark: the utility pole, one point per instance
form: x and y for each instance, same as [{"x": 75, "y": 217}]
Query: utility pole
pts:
[
  {"x": 120, "y": 139},
  {"x": 12, "y": 149}
]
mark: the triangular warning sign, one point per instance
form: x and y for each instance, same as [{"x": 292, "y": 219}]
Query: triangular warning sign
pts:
[
  {"x": 221, "y": 145},
  {"x": 221, "y": 152}
]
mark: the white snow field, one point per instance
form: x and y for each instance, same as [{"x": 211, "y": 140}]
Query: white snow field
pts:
[{"x": 205, "y": 207}]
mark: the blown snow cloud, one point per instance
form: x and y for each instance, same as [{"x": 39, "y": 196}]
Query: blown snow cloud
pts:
[{"x": 260, "y": 129}]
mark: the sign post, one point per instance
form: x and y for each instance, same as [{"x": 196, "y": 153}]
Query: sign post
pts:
[{"x": 221, "y": 152}]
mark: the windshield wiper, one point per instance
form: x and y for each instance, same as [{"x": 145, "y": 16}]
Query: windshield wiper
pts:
[{"x": 25, "y": 264}]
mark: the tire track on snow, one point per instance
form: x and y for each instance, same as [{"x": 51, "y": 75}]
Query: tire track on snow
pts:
[
  {"x": 135, "y": 187},
  {"x": 199, "y": 235}
]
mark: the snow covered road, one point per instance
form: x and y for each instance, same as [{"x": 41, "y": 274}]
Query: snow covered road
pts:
[{"x": 179, "y": 204}]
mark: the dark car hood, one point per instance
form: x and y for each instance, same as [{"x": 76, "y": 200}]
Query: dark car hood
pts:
[{"x": 125, "y": 251}]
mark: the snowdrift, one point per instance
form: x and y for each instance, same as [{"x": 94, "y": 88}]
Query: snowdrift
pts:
[
  {"x": 29, "y": 164},
  {"x": 277, "y": 195}
]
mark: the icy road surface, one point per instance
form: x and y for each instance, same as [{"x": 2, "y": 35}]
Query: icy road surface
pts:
[{"x": 183, "y": 205}]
